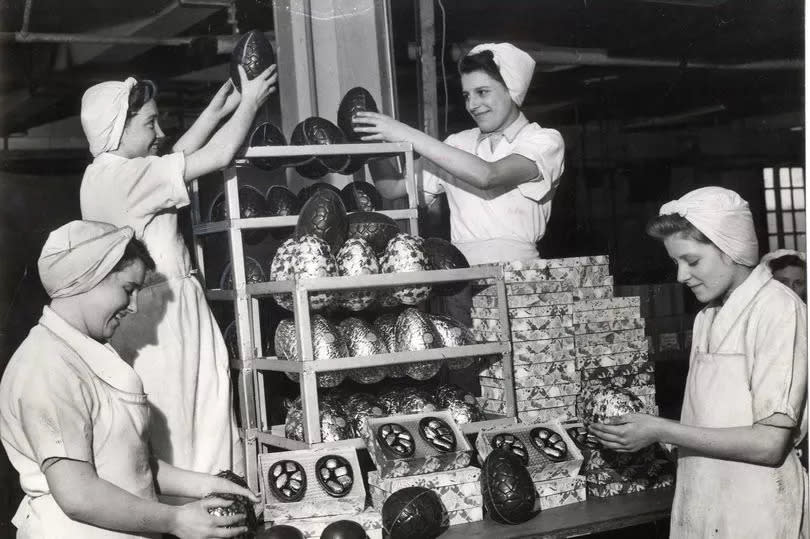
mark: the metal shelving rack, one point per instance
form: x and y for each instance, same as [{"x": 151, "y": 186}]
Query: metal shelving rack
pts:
[{"x": 256, "y": 431}]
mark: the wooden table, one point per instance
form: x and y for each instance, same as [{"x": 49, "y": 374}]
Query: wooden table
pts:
[{"x": 591, "y": 516}]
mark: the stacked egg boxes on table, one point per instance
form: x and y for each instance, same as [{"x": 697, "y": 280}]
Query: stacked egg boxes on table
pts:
[
  {"x": 309, "y": 489},
  {"x": 424, "y": 450},
  {"x": 551, "y": 457}
]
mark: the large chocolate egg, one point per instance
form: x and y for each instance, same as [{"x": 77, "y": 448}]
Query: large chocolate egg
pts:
[
  {"x": 279, "y": 202},
  {"x": 316, "y": 130},
  {"x": 254, "y": 53},
  {"x": 609, "y": 401},
  {"x": 267, "y": 134},
  {"x": 283, "y": 531},
  {"x": 307, "y": 192},
  {"x": 386, "y": 326},
  {"x": 411, "y": 400},
  {"x": 240, "y": 505},
  {"x": 361, "y": 196},
  {"x": 414, "y": 332},
  {"x": 405, "y": 253},
  {"x": 304, "y": 258},
  {"x": 254, "y": 273},
  {"x": 507, "y": 488},
  {"x": 344, "y": 529},
  {"x": 334, "y": 425},
  {"x": 358, "y": 407},
  {"x": 324, "y": 216},
  {"x": 461, "y": 404},
  {"x": 414, "y": 512},
  {"x": 376, "y": 228},
  {"x": 453, "y": 333},
  {"x": 356, "y": 100},
  {"x": 362, "y": 341},
  {"x": 327, "y": 343},
  {"x": 442, "y": 254},
  {"x": 251, "y": 204},
  {"x": 356, "y": 257}
]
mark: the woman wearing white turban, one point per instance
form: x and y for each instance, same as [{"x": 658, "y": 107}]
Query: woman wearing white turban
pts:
[
  {"x": 173, "y": 342},
  {"x": 499, "y": 177},
  {"x": 73, "y": 415},
  {"x": 743, "y": 408}
]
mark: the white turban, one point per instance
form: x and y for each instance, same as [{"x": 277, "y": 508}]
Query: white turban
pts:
[
  {"x": 104, "y": 112},
  {"x": 516, "y": 67},
  {"x": 779, "y": 253},
  {"x": 723, "y": 217},
  {"x": 79, "y": 255}
]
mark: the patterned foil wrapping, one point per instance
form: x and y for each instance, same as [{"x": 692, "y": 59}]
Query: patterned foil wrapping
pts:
[
  {"x": 453, "y": 333},
  {"x": 462, "y": 405},
  {"x": 406, "y": 253},
  {"x": 356, "y": 257},
  {"x": 600, "y": 403},
  {"x": 362, "y": 340},
  {"x": 407, "y": 400},
  {"x": 304, "y": 258},
  {"x": 254, "y": 273},
  {"x": 359, "y": 406},
  {"x": 386, "y": 326},
  {"x": 326, "y": 344},
  {"x": 334, "y": 424},
  {"x": 414, "y": 332}
]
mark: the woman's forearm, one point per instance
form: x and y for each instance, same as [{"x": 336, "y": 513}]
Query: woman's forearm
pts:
[
  {"x": 174, "y": 481},
  {"x": 196, "y": 135}
]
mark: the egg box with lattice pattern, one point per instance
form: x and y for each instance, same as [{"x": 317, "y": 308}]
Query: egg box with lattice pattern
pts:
[
  {"x": 545, "y": 448},
  {"x": 458, "y": 489},
  {"x": 313, "y": 527},
  {"x": 320, "y": 482},
  {"x": 415, "y": 444}
]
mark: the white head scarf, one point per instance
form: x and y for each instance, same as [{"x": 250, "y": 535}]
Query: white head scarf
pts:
[
  {"x": 723, "y": 217},
  {"x": 515, "y": 65},
  {"x": 79, "y": 255},
  {"x": 104, "y": 112}
]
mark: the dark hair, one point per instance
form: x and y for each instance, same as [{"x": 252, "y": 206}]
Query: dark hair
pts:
[
  {"x": 140, "y": 94},
  {"x": 481, "y": 61},
  {"x": 664, "y": 226},
  {"x": 135, "y": 250},
  {"x": 784, "y": 261}
]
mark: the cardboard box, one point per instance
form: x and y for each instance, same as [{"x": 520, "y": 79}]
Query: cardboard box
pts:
[
  {"x": 584, "y": 293},
  {"x": 522, "y": 312},
  {"x": 458, "y": 489},
  {"x": 563, "y": 413},
  {"x": 312, "y": 528},
  {"x": 545, "y": 392},
  {"x": 621, "y": 324},
  {"x": 519, "y": 289},
  {"x": 316, "y": 501},
  {"x": 425, "y": 458},
  {"x": 606, "y": 315}
]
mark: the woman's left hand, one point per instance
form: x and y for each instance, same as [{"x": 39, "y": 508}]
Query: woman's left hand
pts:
[
  {"x": 380, "y": 128},
  {"x": 221, "y": 485},
  {"x": 226, "y": 100},
  {"x": 628, "y": 433}
]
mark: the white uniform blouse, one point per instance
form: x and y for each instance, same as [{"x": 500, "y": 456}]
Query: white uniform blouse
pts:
[
  {"x": 65, "y": 395},
  {"x": 502, "y": 224}
]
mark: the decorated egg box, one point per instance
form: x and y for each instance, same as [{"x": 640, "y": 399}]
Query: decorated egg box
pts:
[
  {"x": 558, "y": 492},
  {"x": 335, "y": 527},
  {"x": 322, "y": 482},
  {"x": 544, "y": 448},
  {"x": 403, "y": 445},
  {"x": 458, "y": 489}
]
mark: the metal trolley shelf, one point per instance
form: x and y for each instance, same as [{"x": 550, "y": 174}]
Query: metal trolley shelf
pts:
[{"x": 258, "y": 435}]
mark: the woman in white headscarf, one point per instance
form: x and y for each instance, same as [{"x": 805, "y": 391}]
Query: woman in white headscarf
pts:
[
  {"x": 743, "y": 408},
  {"x": 500, "y": 176},
  {"x": 173, "y": 342},
  {"x": 74, "y": 419},
  {"x": 789, "y": 267}
]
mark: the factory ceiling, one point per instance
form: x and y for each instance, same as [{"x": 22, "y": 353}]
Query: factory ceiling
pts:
[{"x": 642, "y": 64}]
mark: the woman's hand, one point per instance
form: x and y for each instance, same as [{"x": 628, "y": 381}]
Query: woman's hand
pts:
[
  {"x": 222, "y": 485},
  {"x": 257, "y": 90},
  {"x": 380, "y": 128},
  {"x": 225, "y": 101},
  {"x": 194, "y": 521},
  {"x": 628, "y": 433}
]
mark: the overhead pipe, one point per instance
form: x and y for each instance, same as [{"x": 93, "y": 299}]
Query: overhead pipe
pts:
[{"x": 600, "y": 57}]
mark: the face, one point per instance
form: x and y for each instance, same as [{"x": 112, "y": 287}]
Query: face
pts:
[
  {"x": 707, "y": 271},
  {"x": 142, "y": 132},
  {"x": 794, "y": 278},
  {"x": 487, "y": 101},
  {"x": 112, "y": 299}
]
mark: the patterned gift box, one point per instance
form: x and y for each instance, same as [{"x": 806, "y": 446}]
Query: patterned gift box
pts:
[
  {"x": 498, "y": 406},
  {"x": 601, "y": 459},
  {"x": 628, "y": 487},
  {"x": 584, "y": 276},
  {"x": 590, "y": 339},
  {"x": 312, "y": 528},
  {"x": 545, "y": 392},
  {"x": 585, "y": 293},
  {"x": 519, "y": 289},
  {"x": 653, "y": 467},
  {"x": 621, "y": 324},
  {"x": 531, "y": 381},
  {"x": 619, "y": 370},
  {"x": 458, "y": 489},
  {"x": 425, "y": 458},
  {"x": 524, "y": 324},
  {"x": 482, "y": 313},
  {"x": 547, "y": 487},
  {"x": 563, "y": 413},
  {"x": 607, "y": 303},
  {"x": 563, "y": 498},
  {"x": 465, "y": 516},
  {"x": 524, "y": 372},
  {"x": 316, "y": 502},
  {"x": 626, "y": 381},
  {"x": 541, "y": 467},
  {"x": 484, "y": 335},
  {"x": 611, "y": 348},
  {"x": 570, "y": 262},
  {"x": 525, "y": 300},
  {"x": 612, "y": 360},
  {"x": 607, "y": 315}
]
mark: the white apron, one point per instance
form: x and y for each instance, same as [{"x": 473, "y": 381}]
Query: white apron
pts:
[
  {"x": 173, "y": 341},
  {"x": 721, "y": 498}
]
